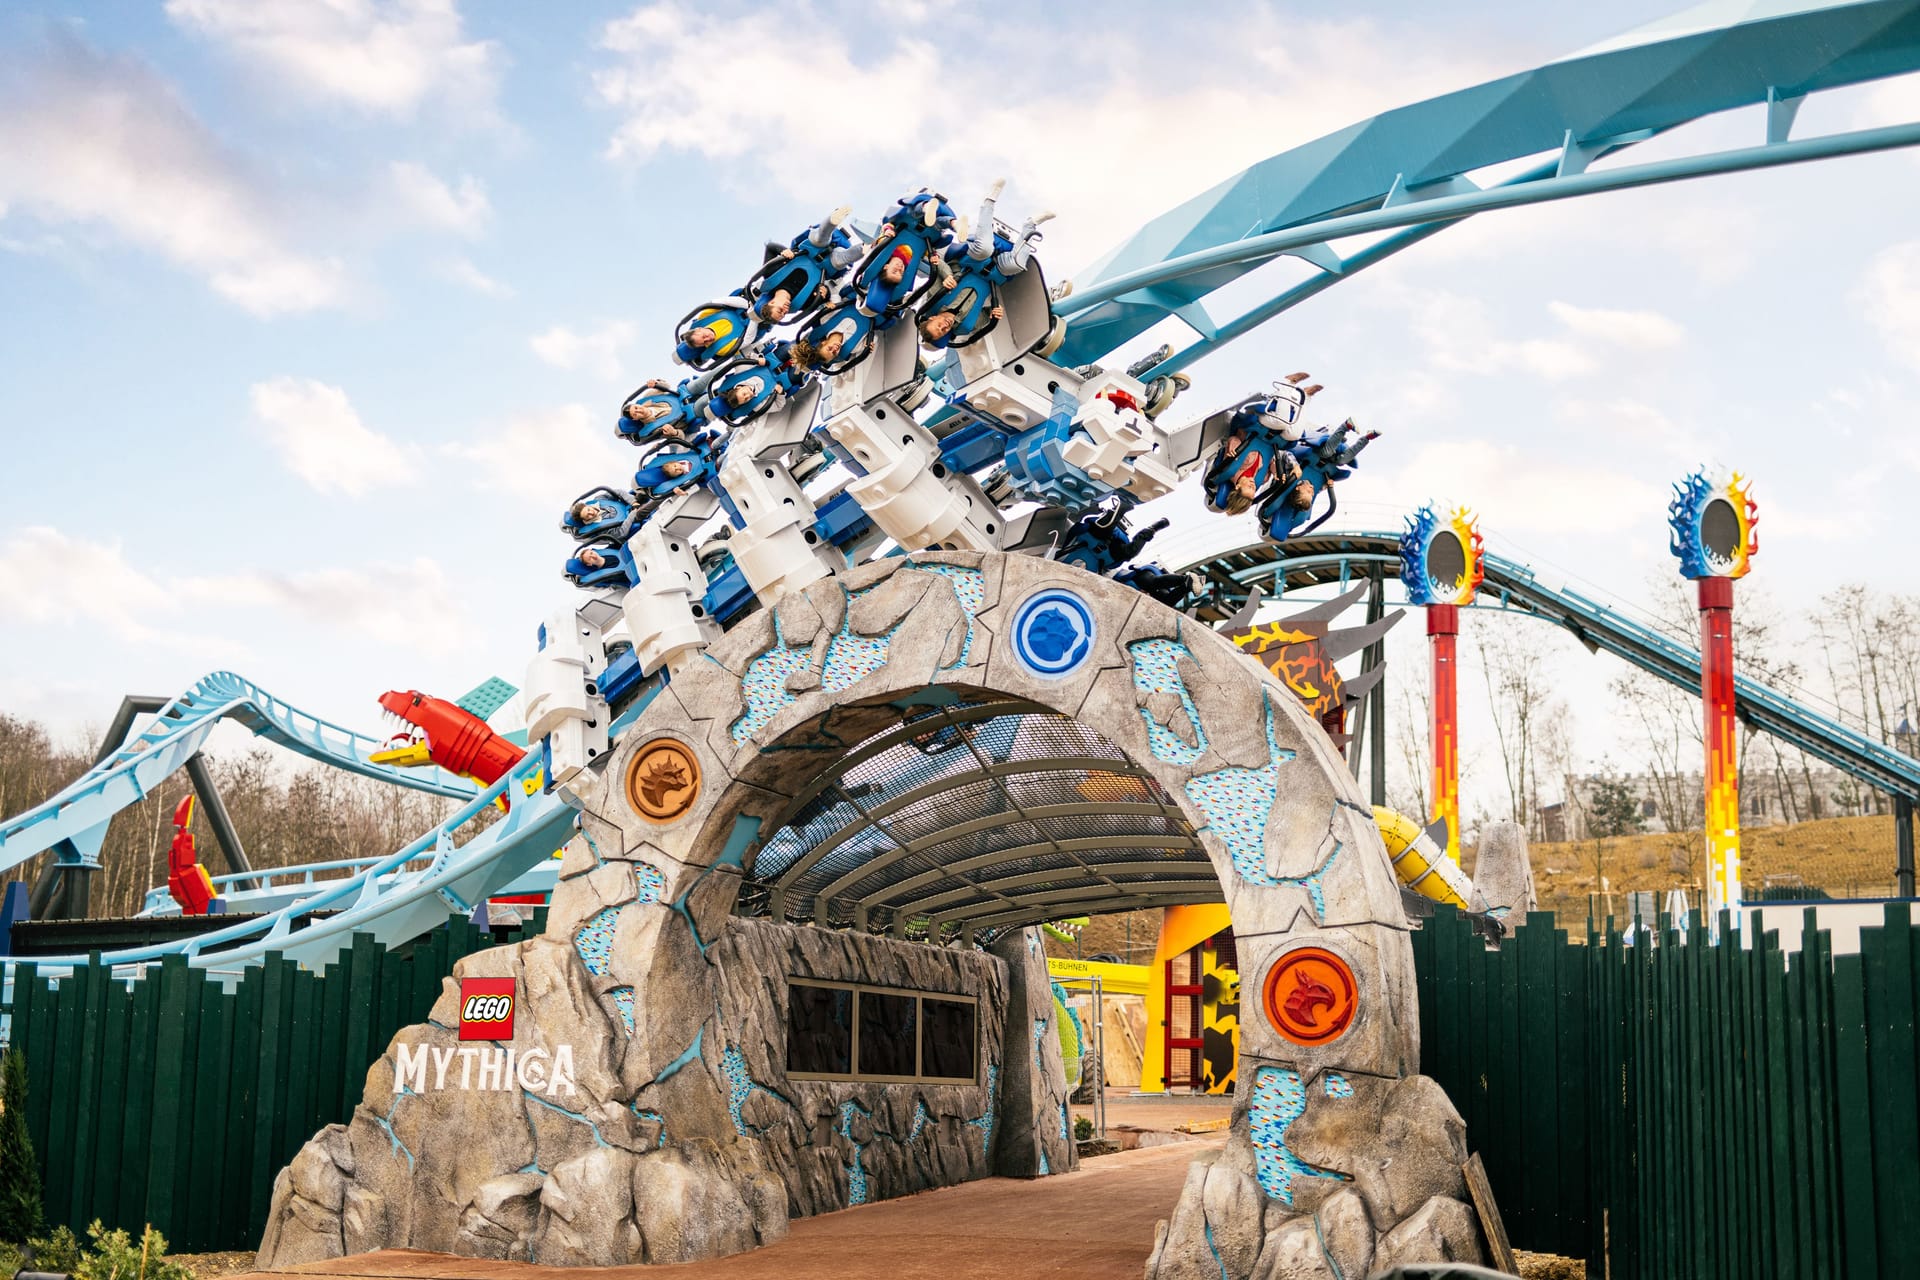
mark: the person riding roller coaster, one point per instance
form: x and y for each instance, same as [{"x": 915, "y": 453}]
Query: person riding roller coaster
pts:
[
  {"x": 715, "y": 332},
  {"x": 1254, "y": 460},
  {"x": 605, "y": 563},
  {"x": 969, "y": 303},
  {"x": 1170, "y": 589},
  {"x": 1319, "y": 459},
  {"x": 907, "y": 245},
  {"x": 762, "y": 381},
  {"x": 599, "y": 512},
  {"x": 1100, "y": 541},
  {"x": 801, "y": 276},
  {"x": 657, "y": 411},
  {"x": 668, "y": 472}
]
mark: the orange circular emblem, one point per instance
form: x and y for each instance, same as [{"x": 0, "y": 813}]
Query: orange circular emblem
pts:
[
  {"x": 663, "y": 779},
  {"x": 1311, "y": 996}
]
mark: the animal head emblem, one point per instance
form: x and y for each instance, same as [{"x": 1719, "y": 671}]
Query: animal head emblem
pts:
[
  {"x": 662, "y": 775},
  {"x": 1307, "y": 1000},
  {"x": 663, "y": 780}
]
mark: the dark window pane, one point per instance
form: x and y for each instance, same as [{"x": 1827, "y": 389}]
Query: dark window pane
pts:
[
  {"x": 819, "y": 1029},
  {"x": 886, "y": 1034},
  {"x": 946, "y": 1039}
]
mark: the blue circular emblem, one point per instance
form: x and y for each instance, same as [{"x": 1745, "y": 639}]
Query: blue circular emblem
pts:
[{"x": 1053, "y": 632}]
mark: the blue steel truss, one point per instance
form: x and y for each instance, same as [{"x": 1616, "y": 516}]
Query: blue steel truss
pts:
[{"x": 1408, "y": 168}]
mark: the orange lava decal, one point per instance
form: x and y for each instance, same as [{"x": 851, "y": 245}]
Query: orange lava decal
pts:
[
  {"x": 663, "y": 780},
  {"x": 1311, "y": 996}
]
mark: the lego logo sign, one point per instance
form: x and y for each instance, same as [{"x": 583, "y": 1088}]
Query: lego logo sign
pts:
[{"x": 486, "y": 1008}]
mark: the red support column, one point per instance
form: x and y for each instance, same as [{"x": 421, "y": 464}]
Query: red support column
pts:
[
  {"x": 1443, "y": 624},
  {"x": 1723, "y": 774}
]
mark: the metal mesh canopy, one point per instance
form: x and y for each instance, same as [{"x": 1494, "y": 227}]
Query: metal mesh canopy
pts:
[{"x": 978, "y": 821}]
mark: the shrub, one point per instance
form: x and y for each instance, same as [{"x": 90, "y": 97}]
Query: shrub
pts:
[
  {"x": 1082, "y": 1128},
  {"x": 58, "y": 1251},
  {"x": 114, "y": 1256},
  {"x": 21, "y": 1216}
]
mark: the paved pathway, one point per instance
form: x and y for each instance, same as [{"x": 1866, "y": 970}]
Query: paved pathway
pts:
[{"x": 1093, "y": 1224}]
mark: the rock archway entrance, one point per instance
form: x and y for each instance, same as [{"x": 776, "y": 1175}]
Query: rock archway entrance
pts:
[{"x": 927, "y": 756}]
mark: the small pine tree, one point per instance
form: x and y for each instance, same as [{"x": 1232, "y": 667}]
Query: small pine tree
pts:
[{"x": 21, "y": 1214}]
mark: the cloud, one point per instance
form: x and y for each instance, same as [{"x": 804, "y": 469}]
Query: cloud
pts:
[
  {"x": 50, "y": 578},
  {"x": 383, "y": 57},
  {"x": 598, "y": 350},
  {"x": 1638, "y": 330},
  {"x": 1890, "y": 292},
  {"x": 322, "y": 440},
  {"x": 91, "y": 139},
  {"x": 1458, "y": 334},
  {"x": 461, "y": 271},
  {"x": 431, "y": 202},
  {"x": 380, "y": 599},
  {"x": 548, "y": 455},
  {"x": 1270, "y": 80},
  {"x": 1514, "y": 489}
]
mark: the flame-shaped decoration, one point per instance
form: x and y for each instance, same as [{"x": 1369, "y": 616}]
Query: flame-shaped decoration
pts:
[
  {"x": 1440, "y": 560},
  {"x": 1713, "y": 521}
]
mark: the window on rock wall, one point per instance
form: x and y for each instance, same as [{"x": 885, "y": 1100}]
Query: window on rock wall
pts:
[{"x": 844, "y": 1031}]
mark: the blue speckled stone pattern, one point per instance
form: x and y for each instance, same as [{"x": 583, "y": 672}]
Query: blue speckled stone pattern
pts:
[
  {"x": 623, "y": 1001},
  {"x": 1039, "y": 1042},
  {"x": 984, "y": 1121},
  {"x": 921, "y": 1119},
  {"x": 1236, "y": 803},
  {"x": 1279, "y": 1098},
  {"x": 651, "y": 881},
  {"x": 1156, "y": 670},
  {"x": 1053, "y": 632},
  {"x": 856, "y": 1170},
  {"x": 740, "y": 1087},
  {"x": 764, "y": 686},
  {"x": 1337, "y": 1085},
  {"x": 595, "y": 940}
]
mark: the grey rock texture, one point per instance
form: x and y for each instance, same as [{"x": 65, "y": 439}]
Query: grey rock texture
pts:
[
  {"x": 683, "y": 1136},
  {"x": 1038, "y": 1135},
  {"x": 1503, "y": 872}
]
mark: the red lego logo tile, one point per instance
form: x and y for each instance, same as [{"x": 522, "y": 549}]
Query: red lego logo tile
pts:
[{"x": 486, "y": 1008}]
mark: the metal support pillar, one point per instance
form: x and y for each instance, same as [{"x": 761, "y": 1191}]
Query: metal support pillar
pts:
[
  {"x": 1903, "y": 845},
  {"x": 1376, "y": 657},
  {"x": 1723, "y": 756},
  {"x": 1443, "y": 625}
]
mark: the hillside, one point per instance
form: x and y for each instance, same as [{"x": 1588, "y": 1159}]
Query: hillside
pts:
[{"x": 1846, "y": 857}]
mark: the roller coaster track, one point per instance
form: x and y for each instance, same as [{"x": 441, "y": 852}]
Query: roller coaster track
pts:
[
  {"x": 1403, "y": 173},
  {"x": 1514, "y": 588},
  {"x": 73, "y": 823}
]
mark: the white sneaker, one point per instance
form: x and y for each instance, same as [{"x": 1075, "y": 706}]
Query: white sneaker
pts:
[
  {"x": 999, "y": 185},
  {"x": 1045, "y": 215},
  {"x": 929, "y": 212},
  {"x": 1061, "y": 290},
  {"x": 840, "y": 215}
]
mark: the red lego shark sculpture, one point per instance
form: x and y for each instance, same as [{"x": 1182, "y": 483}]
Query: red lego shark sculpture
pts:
[{"x": 454, "y": 738}]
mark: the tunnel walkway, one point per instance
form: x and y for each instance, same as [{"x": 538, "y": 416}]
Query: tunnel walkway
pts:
[{"x": 1094, "y": 1223}]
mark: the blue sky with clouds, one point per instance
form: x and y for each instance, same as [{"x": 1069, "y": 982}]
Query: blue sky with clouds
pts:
[{"x": 318, "y": 311}]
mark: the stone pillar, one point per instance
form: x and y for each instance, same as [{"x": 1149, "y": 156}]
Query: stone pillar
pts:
[
  {"x": 1036, "y": 1129},
  {"x": 1503, "y": 872}
]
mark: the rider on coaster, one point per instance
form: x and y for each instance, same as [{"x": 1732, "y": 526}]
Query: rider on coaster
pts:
[
  {"x": 923, "y": 226},
  {"x": 1254, "y": 457},
  {"x": 969, "y": 302},
  {"x": 657, "y": 411},
  {"x": 1170, "y": 589},
  {"x": 715, "y": 332},
  {"x": 776, "y": 371},
  {"x": 1100, "y": 541},
  {"x": 825, "y": 252}
]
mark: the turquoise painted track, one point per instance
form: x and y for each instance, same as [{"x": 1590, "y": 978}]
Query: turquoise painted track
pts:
[
  {"x": 73, "y": 823},
  {"x": 1340, "y": 558},
  {"x": 395, "y": 898},
  {"x": 1404, "y": 172}
]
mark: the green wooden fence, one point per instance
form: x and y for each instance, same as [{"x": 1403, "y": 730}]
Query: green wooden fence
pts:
[
  {"x": 1673, "y": 1110},
  {"x": 169, "y": 1100},
  {"x": 1685, "y": 1109}
]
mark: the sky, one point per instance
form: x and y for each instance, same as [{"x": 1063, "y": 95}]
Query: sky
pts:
[{"x": 318, "y": 312}]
